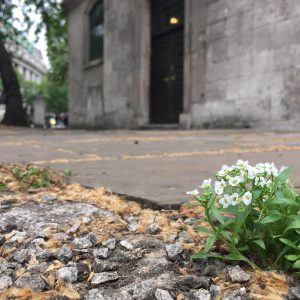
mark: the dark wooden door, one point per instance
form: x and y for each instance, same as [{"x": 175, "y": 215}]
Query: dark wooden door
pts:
[{"x": 167, "y": 38}]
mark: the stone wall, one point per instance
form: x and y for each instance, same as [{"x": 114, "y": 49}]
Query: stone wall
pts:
[{"x": 252, "y": 63}]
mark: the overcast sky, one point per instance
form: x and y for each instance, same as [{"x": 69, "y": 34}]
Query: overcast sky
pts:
[{"x": 41, "y": 43}]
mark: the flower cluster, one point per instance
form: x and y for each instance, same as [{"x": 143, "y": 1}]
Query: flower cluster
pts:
[{"x": 235, "y": 184}]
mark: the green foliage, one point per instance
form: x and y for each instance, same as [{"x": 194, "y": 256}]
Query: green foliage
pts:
[
  {"x": 29, "y": 90},
  {"x": 32, "y": 177},
  {"x": 256, "y": 217}
]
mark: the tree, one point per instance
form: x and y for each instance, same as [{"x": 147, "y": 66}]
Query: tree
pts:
[{"x": 51, "y": 19}]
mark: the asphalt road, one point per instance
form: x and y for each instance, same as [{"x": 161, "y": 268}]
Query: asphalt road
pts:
[{"x": 155, "y": 165}]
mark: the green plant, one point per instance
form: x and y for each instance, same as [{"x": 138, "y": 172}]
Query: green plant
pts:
[
  {"x": 32, "y": 177},
  {"x": 253, "y": 212}
]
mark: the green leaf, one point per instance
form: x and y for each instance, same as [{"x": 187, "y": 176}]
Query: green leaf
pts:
[
  {"x": 260, "y": 243},
  {"x": 289, "y": 243},
  {"x": 209, "y": 243},
  {"x": 285, "y": 201},
  {"x": 276, "y": 216},
  {"x": 283, "y": 176},
  {"x": 256, "y": 193},
  {"x": 241, "y": 219},
  {"x": 296, "y": 265},
  {"x": 293, "y": 224},
  {"x": 217, "y": 214},
  {"x": 202, "y": 229},
  {"x": 291, "y": 257}
]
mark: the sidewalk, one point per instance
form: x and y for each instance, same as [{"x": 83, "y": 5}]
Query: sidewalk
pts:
[{"x": 155, "y": 165}]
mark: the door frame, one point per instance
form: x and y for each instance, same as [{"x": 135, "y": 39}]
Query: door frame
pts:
[{"x": 144, "y": 25}]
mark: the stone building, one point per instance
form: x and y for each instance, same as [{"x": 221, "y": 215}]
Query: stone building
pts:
[{"x": 194, "y": 63}]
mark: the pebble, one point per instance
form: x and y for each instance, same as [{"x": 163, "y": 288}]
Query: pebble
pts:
[
  {"x": 133, "y": 226},
  {"x": 294, "y": 293},
  {"x": 21, "y": 256},
  {"x": 194, "y": 282},
  {"x": 74, "y": 228},
  {"x": 162, "y": 295},
  {"x": 34, "y": 282},
  {"x": 202, "y": 295},
  {"x": 48, "y": 198},
  {"x": 184, "y": 237},
  {"x": 236, "y": 274},
  {"x": 44, "y": 255},
  {"x": 103, "y": 277},
  {"x": 92, "y": 237},
  {"x": 131, "y": 219},
  {"x": 101, "y": 252},
  {"x": 209, "y": 267},
  {"x": 173, "y": 251},
  {"x": 95, "y": 294},
  {"x": 86, "y": 220},
  {"x": 101, "y": 265},
  {"x": 127, "y": 245},
  {"x": 82, "y": 243},
  {"x": 240, "y": 294},
  {"x": 5, "y": 282},
  {"x": 2, "y": 239},
  {"x": 143, "y": 291},
  {"x": 152, "y": 228},
  {"x": 64, "y": 254},
  {"x": 68, "y": 274},
  {"x": 215, "y": 291},
  {"x": 110, "y": 243}
]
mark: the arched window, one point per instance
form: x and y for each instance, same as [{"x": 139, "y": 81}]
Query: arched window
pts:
[{"x": 96, "y": 31}]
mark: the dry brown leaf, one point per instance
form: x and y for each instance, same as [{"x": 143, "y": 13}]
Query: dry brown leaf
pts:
[
  {"x": 56, "y": 265},
  {"x": 180, "y": 297}
]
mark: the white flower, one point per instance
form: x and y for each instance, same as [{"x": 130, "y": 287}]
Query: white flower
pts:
[
  {"x": 223, "y": 171},
  {"x": 219, "y": 190},
  {"x": 252, "y": 172},
  {"x": 206, "y": 183},
  {"x": 260, "y": 181},
  {"x": 234, "y": 199},
  {"x": 274, "y": 170},
  {"x": 247, "y": 198},
  {"x": 193, "y": 193},
  {"x": 242, "y": 163},
  {"x": 225, "y": 201},
  {"x": 234, "y": 181},
  {"x": 264, "y": 198}
]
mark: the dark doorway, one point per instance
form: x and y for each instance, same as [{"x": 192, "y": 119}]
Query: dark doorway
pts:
[{"x": 167, "y": 39}]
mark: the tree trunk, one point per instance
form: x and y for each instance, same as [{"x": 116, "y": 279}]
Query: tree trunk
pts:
[{"x": 15, "y": 113}]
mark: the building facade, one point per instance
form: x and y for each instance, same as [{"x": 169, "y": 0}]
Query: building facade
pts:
[{"x": 194, "y": 63}]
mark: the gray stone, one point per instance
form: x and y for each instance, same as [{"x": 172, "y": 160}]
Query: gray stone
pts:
[
  {"x": 133, "y": 226},
  {"x": 37, "y": 268},
  {"x": 202, "y": 295},
  {"x": 240, "y": 294},
  {"x": 92, "y": 237},
  {"x": 64, "y": 254},
  {"x": 19, "y": 235},
  {"x": 101, "y": 265},
  {"x": 48, "y": 198},
  {"x": 110, "y": 243},
  {"x": 101, "y": 252},
  {"x": 152, "y": 228},
  {"x": 143, "y": 291},
  {"x": 5, "y": 282},
  {"x": 162, "y": 295},
  {"x": 95, "y": 294},
  {"x": 2, "y": 239},
  {"x": 44, "y": 255},
  {"x": 34, "y": 282},
  {"x": 68, "y": 274},
  {"x": 131, "y": 219},
  {"x": 294, "y": 293},
  {"x": 173, "y": 251},
  {"x": 194, "y": 282},
  {"x": 86, "y": 220},
  {"x": 103, "y": 277},
  {"x": 183, "y": 237},
  {"x": 82, "y": 243},
  {"x": 127, "y": 245},
  {"x": 215, "y": 291},
  {"x": 74, "y": 228},
  {"x": 21, "y": 256},
  {"x": 61, "y": 236},
  {"x": 236, "y": 274},
  {"x": 209, "y": 267}
]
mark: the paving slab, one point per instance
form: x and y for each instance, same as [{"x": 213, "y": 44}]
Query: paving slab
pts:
[{"x": 150, "y": 164}]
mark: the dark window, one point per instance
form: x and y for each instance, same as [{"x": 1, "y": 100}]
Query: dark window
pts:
[{"x": 96, "y": 31}]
